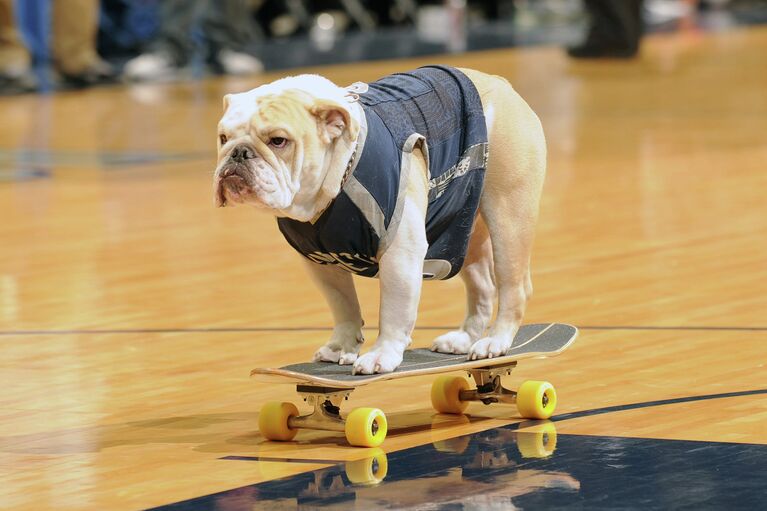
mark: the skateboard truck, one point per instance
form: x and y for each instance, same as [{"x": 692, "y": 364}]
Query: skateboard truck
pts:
[
  {"x": 534, "y": 399},
  {"x": 363, "y": 427},
  {"x": 489, "y": 388},
  {"x": 327, "y": 408},
  {"x": 327, "y": 400}
]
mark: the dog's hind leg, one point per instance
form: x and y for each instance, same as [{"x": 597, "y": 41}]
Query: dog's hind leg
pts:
[
  {"x": 477, "y": 276},
  {"x": 509, "y": 206}
]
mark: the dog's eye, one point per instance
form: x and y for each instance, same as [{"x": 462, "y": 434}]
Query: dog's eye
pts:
[
  {"x": 278, "y": 142},
  {"x": 222, "y": 139}
]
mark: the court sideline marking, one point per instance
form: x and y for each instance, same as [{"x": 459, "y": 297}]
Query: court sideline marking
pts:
[{"x": 225, "y": 330}]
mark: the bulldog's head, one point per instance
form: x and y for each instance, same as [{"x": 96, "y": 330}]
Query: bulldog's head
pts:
[{"x": 285, "y": 146}]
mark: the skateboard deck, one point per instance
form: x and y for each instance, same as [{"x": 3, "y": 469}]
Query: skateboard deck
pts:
[{"x": 532, "y": 341}]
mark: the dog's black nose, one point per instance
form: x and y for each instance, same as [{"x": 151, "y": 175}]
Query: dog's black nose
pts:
[{"x": 242, "y": 152}]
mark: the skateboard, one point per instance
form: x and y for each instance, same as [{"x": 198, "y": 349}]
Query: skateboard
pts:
[{"x": 325, "y": 386}]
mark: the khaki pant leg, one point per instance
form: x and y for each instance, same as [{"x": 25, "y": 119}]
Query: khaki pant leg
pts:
[
  {"x": 13, "y": 55},
  {"x": 75, "y": 23}
]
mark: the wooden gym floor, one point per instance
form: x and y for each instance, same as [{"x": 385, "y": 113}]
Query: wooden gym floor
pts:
[{"x": 132, "y": 310}]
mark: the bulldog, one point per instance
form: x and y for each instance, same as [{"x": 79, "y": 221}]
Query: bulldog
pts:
[{"x": 425, "y": 174}]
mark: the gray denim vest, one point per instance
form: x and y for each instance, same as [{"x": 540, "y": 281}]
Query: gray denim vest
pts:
[{"x": 438, "y": 107}]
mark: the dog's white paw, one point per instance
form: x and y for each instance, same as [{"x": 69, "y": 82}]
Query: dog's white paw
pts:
[
  {"x": 326, "y": 354},
  {"x": 456, "y": 341},
  {"x": 383, "y": 359},
  {"x": 343, "y": 347},
  {"x": 333, "y": 354},
  {"x": 347, "y": 358},
  {"x": 490, "y": 347}
]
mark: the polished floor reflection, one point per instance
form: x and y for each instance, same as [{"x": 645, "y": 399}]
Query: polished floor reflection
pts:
[{"x": 508, "y": 469}]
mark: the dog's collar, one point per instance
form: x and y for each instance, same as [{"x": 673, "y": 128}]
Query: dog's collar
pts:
[
  {"x": 347, "y": 173},
  {"x": 349, "y": 165},
  {"x": 359, "y": 145},
  {"x": 353, "y": 92}
]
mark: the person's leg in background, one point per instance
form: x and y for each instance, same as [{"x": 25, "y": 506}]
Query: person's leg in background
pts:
[
  {"x": 615, "y": 29},
  {"x": 75, "y": 25},
  {"x": 229, "y": 30},
  {"x": 172, "y": 47},
  {"x": 15, "y": 71}
]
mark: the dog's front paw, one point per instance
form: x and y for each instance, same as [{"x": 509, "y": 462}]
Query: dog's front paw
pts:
[
  {"x": 343, "y": 347},
  {"x": 335, "y": 354},
  {"x": 383, "y": 359},
  {"x": 456, "y": 341},
  {"x": 490, "y": 347}
]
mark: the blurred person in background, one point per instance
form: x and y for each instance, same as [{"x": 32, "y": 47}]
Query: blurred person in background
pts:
[
  {"x": 615, "y": 29},
  {"x": 15, "y": 62},
  {"x": 73, "y": 46},
  {"x": 227, "y": 28}
]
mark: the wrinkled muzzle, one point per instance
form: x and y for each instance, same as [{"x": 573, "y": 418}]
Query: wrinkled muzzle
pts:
[
  {"x": 244, "y": 177},
  {"x": 233, "y": 184}
]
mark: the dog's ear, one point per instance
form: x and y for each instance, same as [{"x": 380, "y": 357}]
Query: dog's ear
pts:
[
  {"x": 334, "y": 120},
  {"x": 226, "y": 101}
]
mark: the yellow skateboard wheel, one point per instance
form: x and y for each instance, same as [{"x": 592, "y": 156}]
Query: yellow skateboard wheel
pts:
[
  {"x": 539, "y": 441},
  {"x": 273, "y": 421},
  {"x": 366, "y": 427},
  {"x": 536, "y": 400},
  {"x": 446, "y": 394},
  {"x": 368, "y": 471}
]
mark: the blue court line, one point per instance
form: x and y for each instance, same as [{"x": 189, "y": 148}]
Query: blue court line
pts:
[
  {"x": 693, "y": 328},
  {"x": 649, "y": 404},
  {"x": 110, "y": 159},
  {"x": 221, "y": 330},
  {"x": 555, "y": 418},
  {"x": 224, "y": 330},
  {"x": 24, "y": 173}
]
